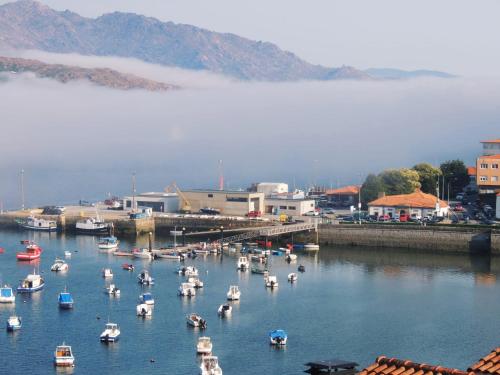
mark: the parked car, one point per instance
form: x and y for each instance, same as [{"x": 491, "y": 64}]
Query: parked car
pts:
[
  {"x": 328, "y": 211},
  {"x": 311, "y": 213},
  {"x": 254, "y": 214},
  {"x": 384, "y": 218},
  {"x": 459, "y": 197}
]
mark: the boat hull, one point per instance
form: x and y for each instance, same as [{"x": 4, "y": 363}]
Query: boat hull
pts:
[
  {"x": 92, "y": 231},
  {"x": 12, "y": 328},
  {"x": 30, "y": 290},
  {"x": 8, "y": 299},
  {"x": 65, "y": 305},
  {"x": 27, "y": 257},
  {"x": 110, "y": 338},
  {"x": 40, "y": 229},
  {"x": 58, "y": 362}
]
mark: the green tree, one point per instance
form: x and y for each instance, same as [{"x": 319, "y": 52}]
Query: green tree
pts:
[
  {"x": 428, "y": 177},
  {"x": 371, "y": 188},
  {"x": 454, "y": 174},
  {"x": 400, "y": 181}
]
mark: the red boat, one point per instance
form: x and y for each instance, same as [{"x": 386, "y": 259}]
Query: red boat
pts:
[
  {"x": 128, "y": 267},
  {"x": 32, "y": 252},
  {"x": 2, "y": 250}
]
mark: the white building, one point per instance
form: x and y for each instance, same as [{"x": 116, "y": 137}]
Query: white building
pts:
[
  {"x": 237, "y": 203},
  {"x": 272, "y": 188},
  {"x": 288, "y": 206},
  {"x": 159, "y": 202}
]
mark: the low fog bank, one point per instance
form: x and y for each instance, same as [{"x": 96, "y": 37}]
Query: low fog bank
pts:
[{"x": 78, "y": 141}]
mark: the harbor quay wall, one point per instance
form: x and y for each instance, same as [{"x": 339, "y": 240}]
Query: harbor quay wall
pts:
[
  {"x": 430, "y": 238},
  {"x": 495, "y": 241}
]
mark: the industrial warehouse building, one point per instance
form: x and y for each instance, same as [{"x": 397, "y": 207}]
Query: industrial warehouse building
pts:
[
  {"x": 289, "y": 206},
  {"x": 236, "y": 203},
  {"x": 159, "y": 202},
  {"x": 271, "y": 188}
]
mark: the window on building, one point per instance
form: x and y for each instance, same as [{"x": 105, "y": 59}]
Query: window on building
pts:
[
  {"x": 494, "y": 178},
  {"x": 210, "y": 195},
  {"x": 291, "y": 208},
  {"x": 494, "y": 166},
  {"x": 236, "y": 199},
  {"x": 483, "y": 178},
  {"x": 282, "y": 207},
  {"x": 483, "y": 166}
]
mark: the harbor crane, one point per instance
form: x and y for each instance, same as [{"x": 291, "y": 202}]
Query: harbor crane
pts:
[{"x": 185, "y": 204}]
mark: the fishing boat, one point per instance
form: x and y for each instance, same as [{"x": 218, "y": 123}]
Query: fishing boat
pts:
[
  {"x": 143, "y": 253},
  {"x": 197, "y": 283},
  {"x": 291, "y": 258},
  {"x": 271, "y": 282},
  {"x": 172, "y": 255},
  {"x": 34, "y": 223},
  {"x": 145, "y": 278},
  {"x": 301, "y": 268},
  {"x": 92, "y": 225},
  {"x": 128, "y": 267},
  {"x": 108, "y": 243},
  {"x": 225, "y": 310},
  {"x": 242, "y": 263},
  {"x": 14, "y": 323},
  {"x": 234, "y": 293},
  {"x": 210, "y": 366},
  {"x": 144, "y": 310},
  {"x": 32, "y": 283},
  {"x": 7, "y": 295},
  {"x": 147, "y": 298},
  {"x": 107, "y": 273},
  {"x": 63, "y": 356},
  {"x": 188, "y": 271},
  {"x": 67, "y": 254},
  {"x": 59, "y": 265},
  {"x": 311, "y": 247},
  {"x": 112, "y": 290},
  {"x": 187, "y": 290},
  {"x": 65, "y": 300},
  {"x": 278, "y": 337},
  {"x": 197, "y": 321},
  {"x": 204, "y": 345},
  {"x": 111, "y": 333},
  {"x": 32, "y": 252},
  {"x": 259, "y": 270},
  {"x": 292, "y": 277}
]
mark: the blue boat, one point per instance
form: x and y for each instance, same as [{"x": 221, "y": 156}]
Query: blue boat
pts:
[
  {"x": 32, "y": 283},
  {"x": 65, "y": 300},
  {"x": 278, "y": 337},
  {"x": 14, "y": 323},
  {"x": 7, "y": 295},
  {"x": 147, "y": 298},
  {"x": 278, "y": 252}
]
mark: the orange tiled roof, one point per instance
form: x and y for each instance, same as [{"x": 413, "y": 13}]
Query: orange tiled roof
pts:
[
  {"x": 489, "y": 364},
  {"x": 492, "y": 141},
  {"x": 471, "y": 171},
  {"x": 393, "y": 366},
  {"x": 497, "y": 156},
  {"x": 346, "y": 190},
  {"x": 418, "y": 199}
]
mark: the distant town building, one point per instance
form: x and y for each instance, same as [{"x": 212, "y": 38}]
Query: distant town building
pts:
[
  {"x": 271, "y": 188},
  {"x": 289, "y": 206},
  {"x": 344, "y": 196},
  {"x": 237, "y": 203},
  {"x": 159, "y": 202},
  {"x": 417, "y": 204},
  {"x": 488, "y": 173},
  {"x": 491, "y": 147}
]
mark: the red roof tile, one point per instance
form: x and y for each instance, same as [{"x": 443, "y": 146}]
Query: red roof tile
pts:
[
  {"x": 346, "y": 190},
  {"x": 492, "y": 141},
  {"x": 489, "y": 364},
  {"x": 418, "y": 199},
  {"x": 393, "y": 366},
  {"x": 471, "y": 171}
]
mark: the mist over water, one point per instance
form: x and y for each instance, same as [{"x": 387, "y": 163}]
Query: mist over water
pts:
[{"x": 79, "y": 141}]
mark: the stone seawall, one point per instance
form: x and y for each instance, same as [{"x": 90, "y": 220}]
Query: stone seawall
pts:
[
  {"x": 495, "y": 241},
  {"x": 164, "y": 225},
  {"x": 431, "y": 238}
]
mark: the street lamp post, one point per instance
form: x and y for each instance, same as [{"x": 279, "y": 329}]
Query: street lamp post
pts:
[
  {"x": 221, "y": 237},
  {"x": 183, "y": 236}
]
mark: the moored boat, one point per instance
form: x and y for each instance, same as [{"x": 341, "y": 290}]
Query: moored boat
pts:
[
  {"x": 242, "y": 263},
  {"x": 225, "y": 310},
  {"x": 143, "y": 253},
  {"x": 112, "y": 290},
  {"x": 108, "y": 243},
  {"x": 271, "y": 282},
  {"x": 65, "y": 300},
  {"x": 204, "y": 345},
  {"x": 278, "y": 337},
  {"x": 291, "y": 258},
  {"x": 259, "y": 270},
  {"x": 32, "y": 252},
  {"x": 59, "y": 265},
  {"x": 111, "y": 333},
  {"x": 311, "y": 247},
  {"x": 128, "y": 267},
  {"x": 34, "y": 223},
  {"x": 14, "y": 323},
  {"x": 63, "y": 356},
  {"x": 187, "y": 290},
  {"x": 92, "y": 225},
  {"x": 147, "y": 298},
  {"x": 234, "y": 293},
  {"x": 145, "y": 278},
  {"x": 292, "y": 277},
  {"x": 301, "y": 268},
  {"x": 107, "y": 273},
  {"x": 197, "y": 283},
  {"x": 210, "y": 366},
  {"x": 32, "y": 283},
  {"x": 197, "y": 321},
  {"x": 67, "y": 254},
  {"x": 188, "y": 271},
  {"x": 7, "y": 295},
  {"x": 144, "y": 310}
]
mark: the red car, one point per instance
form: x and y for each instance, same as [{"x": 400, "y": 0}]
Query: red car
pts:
[{"x": 254, "y": 214}]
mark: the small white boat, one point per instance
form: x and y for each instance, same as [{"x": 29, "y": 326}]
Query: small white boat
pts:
[
  {"x": 92, "y": 225},
  {"x": 142, "y": 253},
  {"x": 14, "y": 323},
  {"x": 225, "y": 310},
  {"x": 145, "y": 278},
  {"x": 197, "y": 321},
  {"x": 292, "y": 277},
  {"x": 147, "y": 298},
  {"x": 144, "y": 310},
  {"x": 32, "y": 283},
  {"x": 210, "y": 366},
  {"x": 188, "y": 271},
  {"x": 311, "y": 247},
  {"x": 107, "y": 273},
  {"x": 7, "y": 295},
  {"x": 234, "y": 293},
  {"x": 195, "y": 281},
  {"x": 242, "y": 263},
  {"x": 187, "y": 290},
  {"x": 169, "y": 255},
  {"x": 111, "y": 333},
  {"x": 59, "y": 265},
  {"x": 108, "y": 243},
  {"x": 271, "y": 282},
  {"x": 63, "y": 356},
  {"x": 278, "y": 337},
  {"x": 201, "y": 251},
  {"x": 112, "y": 290},
  {"x": 204, "y": 345},
  {"x": 34, "y": 223},
  {"x": 291, "y": 257},
  {"x": 67, "y": 254}
]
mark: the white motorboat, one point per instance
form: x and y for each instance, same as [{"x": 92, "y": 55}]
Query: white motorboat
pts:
[
  {"x": 111, "y": 333},
  {"x": 197, "y": 321},
  {"x": 32, "y": 283},
  {"x": 112, "y": 290},
  {"x": 278, "y": 337},
  {"x": 59, "y": 265},
  {"x": 291, "y": 257},
  {"x": 204, "y": 345},
  {"x": 242, "y": 263},
  {"x": 292, "y": 277},
  {"x": 67, "y": 254},
  {"x": 34, "y": 223},
  {"x": 145, "y": 278},
  {"x": 188, "y": 271},
  {"x": 187, "y": 290},
  {"x": 271, "y": 282},
  {"x": 225, "y": 310},
  {"x": 108, "y": 243},
  {"x": 92, "y": 225},
  {"x": 195, "y": 281},
  {"x": 143, "y": 253},
  {"x": 311, "y": 247},
  {"x": 7, "y": 295},
  {"x": 169, "y": 255},
  {"x": 63, "y": 356},
  {"x": 210, "y": 366},
  {"x": 14, "y": 323},
  {"x": 107, "y": 273},
  {"x": 144, "y": 310},
  {"x": 147, "y": 298},
  {"x": 234, "y": 293}
]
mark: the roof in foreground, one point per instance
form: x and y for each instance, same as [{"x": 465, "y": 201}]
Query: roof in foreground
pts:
[
  {"x": 219, "y": 191},
  {"x": 492, "y": 141},
  {"x": 394, "y": 366},
  {"x": 471, "y": 171},
  {"x": 346, "y": 190},
  {"x": 496, "y": 156},
  {"x": 417, "y": 199},
  {"x": 489, "y": 364}
]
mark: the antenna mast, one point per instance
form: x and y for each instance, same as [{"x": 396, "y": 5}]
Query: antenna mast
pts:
[
  {"x": 22, "y": 189},
  {"x": 221, "y": 175}
]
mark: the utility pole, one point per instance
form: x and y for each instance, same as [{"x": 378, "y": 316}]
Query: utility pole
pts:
[
  {"x": 22, "y": 189},
  {"x": 133, "y": 192},
  {"x": 221, "y": 175}
]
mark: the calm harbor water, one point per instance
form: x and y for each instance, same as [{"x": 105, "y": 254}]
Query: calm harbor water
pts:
[{"x": 353, "y": 304}]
